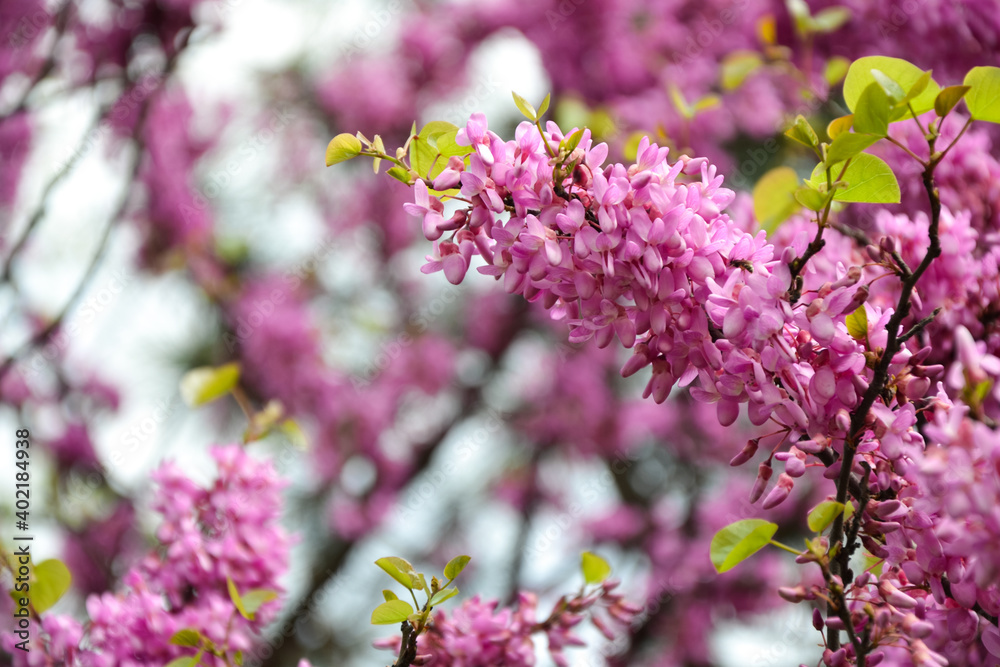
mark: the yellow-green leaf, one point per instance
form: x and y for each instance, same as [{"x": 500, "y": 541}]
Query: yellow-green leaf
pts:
[
  {"x": 389, "y": 595},
  {"x": 812, "y": 199},
  {"x": 773, "y": 197},
  {"x": 205, "y": 384},
  {"x": 857, "y": 324},
  {"x": 802, "y": 132},
  {"x": 400, "y": 174},
  {"x": 391, "y": 611},
  {"x": 341, "y": 148},
  {"x": 948, "y": 98},
  {"x": 859, "y": 77},
  {"x": 544, "y": 107},
  {"x": 234, "y": 595},
  {"x": 524, "y": 107},
  {"x": 737, "y": 66},
  {"x": 871, "y": 114},
  {"x": 255, "y": 598},
  {"x": 291, "y": 429},
  {"x": 823, "y": 515},
  {"x": 706, "y": 102},
  {"x": 595, "y": 569},
  {"x": 983, "y": 98},
  {"x": 830, "y": 19},
  {"x": 869, "y": 180},
  {"x": 401, "y": 570},
  {"x": 847, "y": 145},
  {"x": 184, "y": 661},
  {"x": 677, "y": 97},
  {"x": 186, "y": 637},
  {"x": 840, "y": 125},
  {"x": 52, "y": 580},
  {"x": 836, "y": 69},
  {"x": 455, "y": 566},
  {"x": 738, "y": 541},
  {"x": 443, "y": 595}
]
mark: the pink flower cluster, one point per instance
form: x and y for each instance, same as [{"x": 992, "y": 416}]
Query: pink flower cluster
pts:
[
  {"x": 477, "y": 634},
  {"x": 644, "y": 253},
  {"x": 229, "y": 530}
]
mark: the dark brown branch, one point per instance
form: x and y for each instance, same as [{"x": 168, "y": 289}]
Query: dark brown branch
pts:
[{"x": 880, "y": 377}]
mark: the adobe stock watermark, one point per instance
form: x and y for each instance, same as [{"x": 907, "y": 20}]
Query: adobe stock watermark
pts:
[
  {"x": 900, "y": 14},
  {"x": 220, "y": 179},
  {"x": 88, "y": 311},
  {"x": 138, "y": 434},
  {"x": 263, "y": 308},
  {"x": 28, "y": 28},
  {"x": 704, "y": 34},
  {"x": 390, "y": 351},
  {"x": 123, "y": 107},
  {"x": 458, "y": 113},
  {"x": 592, "y": 490},
  {"x": 431, "y": 481},
  {"x": 376, "y": 21},
  {"x": 259, "y": 654}
]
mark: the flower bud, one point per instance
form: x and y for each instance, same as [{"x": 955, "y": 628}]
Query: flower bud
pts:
[
  {"x": 764, "y": 472},
  {"x": 746, "y": 453}
]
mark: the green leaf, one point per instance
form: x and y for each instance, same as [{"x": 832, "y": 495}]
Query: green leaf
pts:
[
  {"x": 857, "y": 324},
  {"x": 291, "y": 429},
  {"x": 238, "y": 658},
  {"x": 918, "y": 87},
  {"x": 948, "y": 98},
  {"x": 595, "y": 569},
  {"x": 425, "y": 156},
  {"x": 571, "y": 141},
  {"x": 677, "y": 97},
  {"x": 254, "y": 598},
  {"x": 872, "y": 113},
  {"x": 455, "y": 566},
  {"x": 545, "y": 106},
  {"x": 203, "y": 385},
  {"x": 773, "y": 197},
  {"x": 401, "y": 570},
  {"x": 802, "y": 132},
  {"x": 389, "y": 595},
  {"x": 983, "y": 98},
  {"x": 186, "y": 637},
  {"x": 847, "y": 145},
  {"x": 892, "y": 89},
  {"x": 706, "y": 102},
  {"x": 442, "y": 595},
  {"x": 840, "y": 125},
  {"x": 799, "y": 11},
  {"x": 524, "y": 107},
  {"x": 812, "y": 199},
  {"x": 400, "y": 174},
  {"x": 737, "y": 66},
  {"x": 830, "y": 19},
  {"x": 341, "y": 148},
  {"x": 52, "y": 580},
  {"x": 449, "y": 147},
  {"x": 823, "y": 515},
  {"x": 859, "y": 77},
  {"x": 234, "y": 595},
  {"x": 391, "y": 611},
  {"x": 185, "y": 661},
  {"x": 868, "y": 178},
  {"x": 836, "y": 69},
  {"x": 738, "y": 541}
]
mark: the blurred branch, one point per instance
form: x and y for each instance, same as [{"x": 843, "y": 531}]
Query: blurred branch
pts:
[
  {"x": 60, "y": 23},
  {"x": 42, "y": 336}
]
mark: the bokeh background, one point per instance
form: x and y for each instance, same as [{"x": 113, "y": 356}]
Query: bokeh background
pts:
[{"x": 164, "y": 206}]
